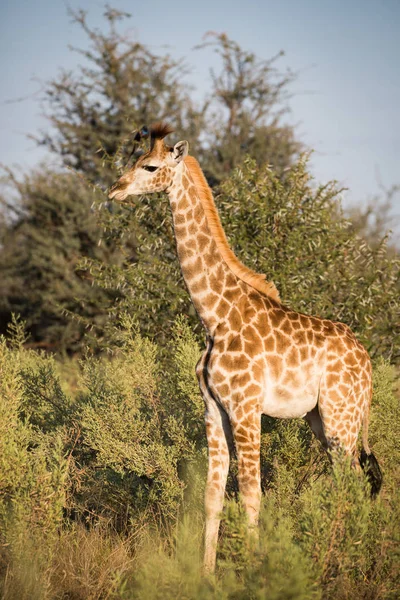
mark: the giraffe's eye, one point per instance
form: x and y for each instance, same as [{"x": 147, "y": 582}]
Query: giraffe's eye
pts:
[{"x": 149, "y": 168}]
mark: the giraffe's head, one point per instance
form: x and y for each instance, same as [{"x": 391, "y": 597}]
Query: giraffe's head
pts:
[{"x": 153, "y": 171}]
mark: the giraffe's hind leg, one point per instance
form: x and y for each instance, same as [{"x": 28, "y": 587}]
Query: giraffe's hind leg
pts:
[{"x": 341, "y": 418}]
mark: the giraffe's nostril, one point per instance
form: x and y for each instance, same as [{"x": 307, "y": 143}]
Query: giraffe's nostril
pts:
[{"x": 117, "y": 190}]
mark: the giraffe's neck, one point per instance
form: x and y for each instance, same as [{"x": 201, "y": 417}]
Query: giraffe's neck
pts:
[{"x": 210, "y": 282}]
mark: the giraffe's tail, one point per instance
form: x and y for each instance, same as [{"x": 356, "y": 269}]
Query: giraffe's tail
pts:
[{"x": 368, "y": 461}]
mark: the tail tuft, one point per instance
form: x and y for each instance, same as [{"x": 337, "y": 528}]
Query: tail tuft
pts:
[{"x": 370, "y": 466}]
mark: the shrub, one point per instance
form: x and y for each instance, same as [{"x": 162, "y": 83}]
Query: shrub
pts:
[
  {"x": 295, "y": 232},
  {"x": 101, "y": 487}
]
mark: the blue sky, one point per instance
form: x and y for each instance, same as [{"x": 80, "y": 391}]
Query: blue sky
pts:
[{"x": 346, "y": 99}]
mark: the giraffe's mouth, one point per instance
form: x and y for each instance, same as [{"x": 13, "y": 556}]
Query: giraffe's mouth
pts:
[{"x": 118, "y": 192}]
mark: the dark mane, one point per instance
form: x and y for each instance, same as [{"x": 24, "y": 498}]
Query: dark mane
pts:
[{"x": 158, "y": 131}]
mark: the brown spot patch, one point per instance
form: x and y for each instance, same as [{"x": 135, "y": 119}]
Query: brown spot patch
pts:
[
  {"x": 210, "y": 257},
  {"x": 282, "y": 343},
  {"x": 283, "y": 393},
  {"x": 235, "y": 345},
  {"x": 277, "y": 317},
  {"x": 216, "y": 284},
  {"x": 202, "y": 241},
  {"x": 210, "y": 300},
  {"x": 293, "y": 357},
  {"x": 275, "y": 364},
  {"x": 286, "y": 327},
  {"x": 193, "y": 268},
  {"x": 222, "y": 329},
  {"x": 319, "y": 340},
  {"x": 346, "y": 377},
  {"x": 262, "y": 324},
  {"x": 232, "y": 362},
  {"x": 199, "y": 285},
  {"x": 316, "y": 324},
  {"x": 249, "y": 332},
  {"x": 304, "y": 353},
  {"x": 300, "y": 337},
  {"x": 222, "y": 308},
  {"x": 191, "y": 244},
  {"x": 253, "y": 390},
  {"x": 256, "y": 301},
  {"x": 269, "y": 343},
  {"x": 230, "y": 294},
  {"x": 235, "y": 319},
  {"x": 180, "y": 219},
  {"x": 305, "y": 321},
  {"x": 223, "y": 389},
  {"x": 249, "y": 313},
  {"x": 198, "y": 212},
  {"x": 253, "y": 347},
  {"x": 231, "y": 280},
  {"x": 351, "y": 360},
  {"x": 241, "y": 380},
  {"x": 212, "y": 444},
  {"x": 192, "y": 228},
  {"x": 336, "y": 366},
  {"x": 183, "y": 204},
  {"x": 310, "y": 337},
  {"x": 218, "y": 378},
  {"x": 332, "y": 379},
  {"x": 328, "y": 328},
  {"x": 192, "y": 194},
  {"x": 180, "y": 230},
  {"x": 258, "y": 370}
]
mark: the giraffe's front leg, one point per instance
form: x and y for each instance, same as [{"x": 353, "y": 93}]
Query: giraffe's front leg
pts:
[
  {"x": 247, "y": 435},
  {"x": 218, "y": 440}
]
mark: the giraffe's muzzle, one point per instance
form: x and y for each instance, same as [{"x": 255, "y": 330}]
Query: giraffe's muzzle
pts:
[{"x": 118, "y": 191}]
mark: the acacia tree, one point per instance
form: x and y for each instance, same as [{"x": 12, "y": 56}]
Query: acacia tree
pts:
[
  {"x": 92, "y": 112},
  {"x": 245, "y": 112},
  {"x": 375, "y": 219},
  {"x": 51, "y": 228},
  {"x": 295, "y": 231},
  {"x": 119, "y": 85}
]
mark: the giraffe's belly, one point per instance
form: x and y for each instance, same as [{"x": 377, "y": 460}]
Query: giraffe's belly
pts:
[{"x": 284, "y": 403}]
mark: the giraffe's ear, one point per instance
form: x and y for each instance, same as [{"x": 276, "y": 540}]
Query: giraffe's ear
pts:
[{"x": 179, "y": 151}]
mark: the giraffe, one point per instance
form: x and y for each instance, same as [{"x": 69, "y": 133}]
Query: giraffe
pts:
[{"x": 261, "y": 357}]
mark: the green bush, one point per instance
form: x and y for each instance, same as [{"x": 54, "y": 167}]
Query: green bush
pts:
[
  {"x": 295, "y": 232},
  {"x": 102, "y": 470}
]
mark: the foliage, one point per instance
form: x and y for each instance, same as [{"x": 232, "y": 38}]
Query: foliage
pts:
[
  {"x": 33, "y": 473},
  {"x": 102, "y": 469},
  {"x": 302, "y": 242},
  {"x": 102, "y": 460},
  {"x": 51, "y": 237},
  {"x": 120, "y": 85},
  {"x": 52, "y": 229},
  {"x": 374, "y": 220},
  {"x": 287, "y": 228},
  {"x": 244, "y": 116}
]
